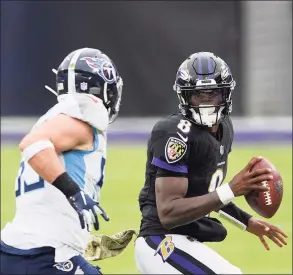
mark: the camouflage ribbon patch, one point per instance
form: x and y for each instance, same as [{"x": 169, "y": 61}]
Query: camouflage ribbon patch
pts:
[{"x": 103, "y": 246}]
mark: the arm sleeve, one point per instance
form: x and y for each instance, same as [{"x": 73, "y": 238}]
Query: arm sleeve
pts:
[
  {"x": 170, "y": 153},
  {"x": 235, "y": 215}
]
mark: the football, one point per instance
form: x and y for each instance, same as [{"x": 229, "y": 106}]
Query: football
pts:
[{"x": 267, "y": 203}]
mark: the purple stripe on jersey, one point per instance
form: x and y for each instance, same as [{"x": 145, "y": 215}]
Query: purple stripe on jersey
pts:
[
  {"x": 178, "y": 259},
  {"x": 171, "y": 167}
]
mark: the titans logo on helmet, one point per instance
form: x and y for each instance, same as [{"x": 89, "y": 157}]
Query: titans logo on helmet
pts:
[{"x": 103, "y": 67}]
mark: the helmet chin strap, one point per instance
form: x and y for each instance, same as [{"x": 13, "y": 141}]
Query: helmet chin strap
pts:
[{"x": 207, "y": 115}]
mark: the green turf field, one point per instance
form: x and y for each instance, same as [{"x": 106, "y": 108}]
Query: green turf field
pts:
[{"x": 124, "y": 179}]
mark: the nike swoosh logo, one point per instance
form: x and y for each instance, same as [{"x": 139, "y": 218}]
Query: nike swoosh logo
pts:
[{"x": 183, "y": 138}]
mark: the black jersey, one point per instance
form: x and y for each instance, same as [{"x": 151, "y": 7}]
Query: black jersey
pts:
[{"x": 179, "y": 147}]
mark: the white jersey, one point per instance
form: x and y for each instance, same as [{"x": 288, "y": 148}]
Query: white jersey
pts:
[{"x": 44, "y": 216}]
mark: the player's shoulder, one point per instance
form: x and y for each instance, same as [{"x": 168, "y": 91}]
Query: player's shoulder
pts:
[
  {"x": 173, "y": 139},
  {"x": 84, "y": 108},
  {"x": 87, "y": 108},
  {"x": 168, "y": 123},
  {"x": 178, "y": 126}
]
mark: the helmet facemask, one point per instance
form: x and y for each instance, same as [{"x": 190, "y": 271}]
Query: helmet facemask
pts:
[
  {"x": 110, "y": 94},
  {"x": 205, "y": 106}
]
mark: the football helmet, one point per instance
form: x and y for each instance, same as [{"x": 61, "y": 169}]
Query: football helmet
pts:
[
  {"x": 204, "y": 74},
  {"x": 92, "y": 72}
]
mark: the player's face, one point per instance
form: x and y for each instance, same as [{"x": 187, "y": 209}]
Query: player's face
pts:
[{"x": 206, "y": 97}]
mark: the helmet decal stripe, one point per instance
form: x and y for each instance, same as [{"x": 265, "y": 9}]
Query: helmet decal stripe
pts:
[
  {"x": 204, "y": 65},
  {"x": 199, "y": 67},
  {"x": 210, "y": 67},
  {"x": 71, "y": 72}
]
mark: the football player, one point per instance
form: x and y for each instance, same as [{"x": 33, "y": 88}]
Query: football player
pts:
[
  {"x": 62, "y": 171},
  {"x": 186, "y": 164}
]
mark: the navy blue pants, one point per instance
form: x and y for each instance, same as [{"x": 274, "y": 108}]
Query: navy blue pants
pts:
[{"x": 40, "y": 261}]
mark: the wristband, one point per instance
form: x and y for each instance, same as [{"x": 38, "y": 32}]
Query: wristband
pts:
[
  {"x": 66, "y": 185},
  {"x": 225, "y": 193}
]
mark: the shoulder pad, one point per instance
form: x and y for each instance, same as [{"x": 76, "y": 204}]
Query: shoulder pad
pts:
[
  {"x": 175, "y": 126},
  {"x": 168, "y": 124},
  {"x": 85, "y": 107}
]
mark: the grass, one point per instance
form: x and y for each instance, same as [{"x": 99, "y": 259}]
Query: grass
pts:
[{"x": 124, "y": 179}]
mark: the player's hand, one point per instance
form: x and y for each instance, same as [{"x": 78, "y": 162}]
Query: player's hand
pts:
[
  {"x": 87, "y": 210},
  {"x": 247, "y": 180},
  {"x": 261, "y": 229}
]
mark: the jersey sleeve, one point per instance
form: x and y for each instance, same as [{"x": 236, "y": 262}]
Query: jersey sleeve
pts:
[{"x": 170, "y": 153}]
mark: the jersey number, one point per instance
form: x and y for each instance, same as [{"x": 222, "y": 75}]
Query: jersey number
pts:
[
  {"x": 23, "y": 187},
  {"x": 216, "y": 179}
]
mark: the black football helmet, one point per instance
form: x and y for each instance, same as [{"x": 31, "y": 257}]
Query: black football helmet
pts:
[
  {"x": 207, "y": 74},
  {"x": 91, "y": 71}
]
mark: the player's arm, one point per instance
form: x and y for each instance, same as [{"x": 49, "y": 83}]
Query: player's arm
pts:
[
  {"x": 170, "y": 155},
  {"x": 234, "y": 215},
  {"x": 41, "y": 146},
  {"x": 253, "y": 225},
  {"x": 40, "y": 149},
  {"x": 174, "y": 209},
  {"x": 231, "y": 212}
]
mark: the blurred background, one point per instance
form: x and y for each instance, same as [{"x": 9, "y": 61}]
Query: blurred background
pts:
[{"x": 148, "y": 40}]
